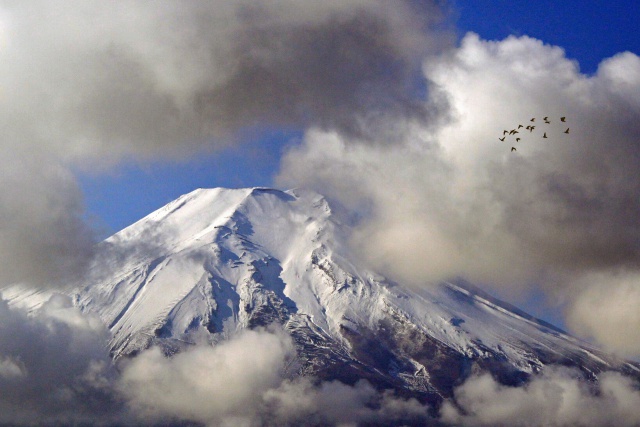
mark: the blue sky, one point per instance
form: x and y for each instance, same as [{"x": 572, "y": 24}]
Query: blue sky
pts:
[
  {"x": 121, "y": 196},
  {"x": 589, "y": 31}
]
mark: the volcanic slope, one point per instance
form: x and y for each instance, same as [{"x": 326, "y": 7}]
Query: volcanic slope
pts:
[{"x": 216, "y": 261}]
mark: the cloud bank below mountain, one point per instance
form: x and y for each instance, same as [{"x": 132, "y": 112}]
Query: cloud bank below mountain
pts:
[{"x": 54, "y": 369}]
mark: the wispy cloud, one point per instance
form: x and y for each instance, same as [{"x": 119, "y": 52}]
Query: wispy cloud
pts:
[{"x": 207, "y": 384}]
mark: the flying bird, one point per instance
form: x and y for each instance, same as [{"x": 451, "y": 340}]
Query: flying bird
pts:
[
  {"x": 517, "y": 139},
  {"x": 545, "y": 135},
  {"x": 563, "y": 119},
  {"x": 502, "y": 139},
  {"x": 533, "y": 119},
  {"x": 531, "y": 128},
  {"x": 519, "y": 126},
  {"x": 505, "y": 132},
  {"x": 513, "y": 149},
  {"x": 566, "y": 131}
]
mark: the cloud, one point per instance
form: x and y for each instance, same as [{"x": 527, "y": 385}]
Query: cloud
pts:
[
  {"x": 300, "y": 402},
  {"x": 85, "y": 85},
  {"x": 207, "y": 384},
  {"x": 54, "y": 367},
  {"x": 605, "y": 309},
  {"x": 555, "y": 398},
  {"x": 453, "y": 200},
  {"x": 244, "y": 381},
  {"x": 43, "y": 237},
  {"x": 54, "y": 370},
  {"x": 169, "y": 79}
]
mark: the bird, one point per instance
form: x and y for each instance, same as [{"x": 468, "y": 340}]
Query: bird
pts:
[
  {"x": 502, "y": 139},
  {"x": 519, "y": 126},
  {"x": 545, "y": 118},
  {"x": 531, "y": 128},
  {"x": 563, "y": 119},
  {"x": 566, "y": 131},
  {"x": 517, "y": 139},
  {"x": 545, "y": 135},
  {"x": 533, "y": 119},
  {"x": 513, "y": 149},
  {"x": 547, "y": 121},
  {"x": 505, "y": 132},
  {"x": 528, "y": 128},
  {"x": 512, "y": 131}
]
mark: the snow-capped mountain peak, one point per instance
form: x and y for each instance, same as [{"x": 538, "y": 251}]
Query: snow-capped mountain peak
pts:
[{"x": 215, "y": 261}]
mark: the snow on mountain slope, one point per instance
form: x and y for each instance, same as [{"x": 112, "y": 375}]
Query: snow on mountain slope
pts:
[{"x": 216, "y": 261}]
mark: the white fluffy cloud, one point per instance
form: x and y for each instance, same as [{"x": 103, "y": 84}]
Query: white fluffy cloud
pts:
[
  {"x": 207, "y": 384},
  {"x": 555, "y": 398},
  {"x": 454, "y": 200}
]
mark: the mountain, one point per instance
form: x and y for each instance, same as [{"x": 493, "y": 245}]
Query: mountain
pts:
[{"x": 216, "y": 261}]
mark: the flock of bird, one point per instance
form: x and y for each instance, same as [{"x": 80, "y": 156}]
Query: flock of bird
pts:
[{"x": 529, "y": 128}]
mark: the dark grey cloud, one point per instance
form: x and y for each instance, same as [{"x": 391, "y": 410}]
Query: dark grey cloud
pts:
[
  {"x": 343, "y": 68},
  {"x": 54, "y": 367},
  {"x": 167, "y": 79},
  {"x": 85, "y": 84},
  {"x": 43, "y": 237}
]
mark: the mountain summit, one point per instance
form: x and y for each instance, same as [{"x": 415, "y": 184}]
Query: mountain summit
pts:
[{"x": 216, "y": 261}]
